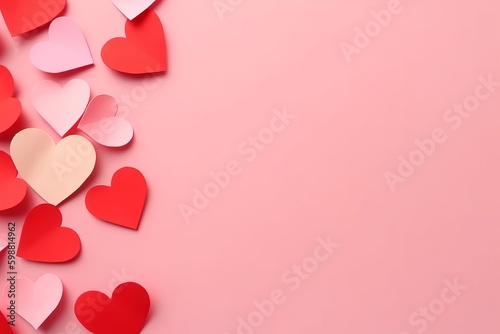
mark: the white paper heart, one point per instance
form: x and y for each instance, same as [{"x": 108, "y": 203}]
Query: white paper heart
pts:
[{"x": 132, "y": 8}]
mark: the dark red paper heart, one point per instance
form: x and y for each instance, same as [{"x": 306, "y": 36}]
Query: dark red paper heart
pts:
[
  {"x": 5, "y": 328},
  {"x": 123, "y": 202},
  {"x": 10, "y": 108},
  {"x": 44, "y": 240},
  {"x": 125, "y": 313},
  {"x": 12, "y": 189},
  {"x": 22, "y": 16},
  {"x": 143, "y": 50}
]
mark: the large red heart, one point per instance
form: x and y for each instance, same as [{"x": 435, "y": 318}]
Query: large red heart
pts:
[
  {"x": 123, "y": 202},
  {"x": 44, "y": 240},
  {"x": 10, "y": 108},
  {"x": 13, "y": 190},
  {"x": 142, "y": 51},
  {"x": 125, "y": 313},
  {"x": 22, "y": 16},
  {"x": 5, "y": 328}
]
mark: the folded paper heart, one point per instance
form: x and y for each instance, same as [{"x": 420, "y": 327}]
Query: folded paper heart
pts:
[
  {"x": 61, "y": 107},
  {"x": 125, "y": 313},
  {"x": 10, "y": 108},
  {"x": 5, "y": 328},
  {"x": 26, "y": 15},
  {"x": 37, "y": 301},
  {"x": 44, "y": 240},
  {"x": 122, "y": 203},
  {"x": 142, "y": 51},
  {"x": 132, "y": 8},
  {"x": 13, "y": 190},
  {"x": 65, "y": 50},
  {"x": 101, "y": 123},
  {"x": 53, "y": 171}
]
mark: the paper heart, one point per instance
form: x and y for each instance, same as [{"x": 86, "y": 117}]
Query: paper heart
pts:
[
  {"x": 10, "y": 108},
  {"x": 122, "y": 203},
  {"x": 7, "y": 87},
  {"x": 125, "y": 313},
  {"x": 44, "y": 240},
  {"x": 5, "y": 328},
  {"x": 132, "y": 8},
  {"x": 26, "y": 15},
  {"x": 13, "y": 190},
  {"x": 53, "y": 171},
  {"x": 61, "y": 107},
  {"x": 142, "y": 51},
  {"x": 36, "y": 301},
  {"x": 101, "y": 123},
  {"x": 65, "y": 50}
]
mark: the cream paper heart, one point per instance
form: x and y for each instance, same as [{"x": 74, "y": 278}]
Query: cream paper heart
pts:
[{"x": 53, "y": 171}]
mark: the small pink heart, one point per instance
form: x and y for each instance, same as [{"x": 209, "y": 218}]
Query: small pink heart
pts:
[
  {"x": 61, "y": 107},
  {"x": 65, "y": 50},
  {"x": 101, "y": 123},
  {"x": 36, "y": 301}
]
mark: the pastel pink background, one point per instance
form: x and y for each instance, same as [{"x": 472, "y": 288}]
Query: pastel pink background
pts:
[{"x": 323, "y": 175}]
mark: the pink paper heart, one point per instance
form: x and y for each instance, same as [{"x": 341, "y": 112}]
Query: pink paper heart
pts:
[
  {"x": 36, "y": 301},
  {"x": 132, "y": 8},
  {"x": 61, "y": 107},
  {"x": 101, "y": 123},
  {"x": 65, "y": 50}
]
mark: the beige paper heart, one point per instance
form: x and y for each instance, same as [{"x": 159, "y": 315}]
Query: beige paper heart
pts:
[{"x": 53, "y": 171}]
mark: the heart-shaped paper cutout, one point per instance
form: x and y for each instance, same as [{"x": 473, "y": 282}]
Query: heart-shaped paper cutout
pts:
[
  {"x": 101, "y": 123},
  {"x": 44, "y": 240},
  {"x": 142, "y": 51},
  {"x": 125, "y": 313},
  {"x": 13, "y": 190},
  {"x": 5, "y": 328},
  {"x": 65, "y": 50},
  {"x": 53, "y": 171},
  {"x": 132, "y": 8},
  {"x": 7, "y": 87},
  {"x": 61, "y": 107},
  {"x": 123, "y": 202},
  {"x": 36, "y": 301},
  {"x": 26, "y": 15},
  {"x": 10, "y": 108}
]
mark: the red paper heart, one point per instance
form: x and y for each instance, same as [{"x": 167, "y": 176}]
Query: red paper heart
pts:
[
  {"x": 13, "y": 190},
  {"x": 125, "y": 313},
  {"x": 44, "y": 240},
  {"x": 26, "y": 15},
  {"x": 10, "y": 108},
  {"x": 5, "y": 328},
  {"x": 142, "y": 51},
  {"x": 123, "y": 202},
  {"x": 7, "y": 83}
]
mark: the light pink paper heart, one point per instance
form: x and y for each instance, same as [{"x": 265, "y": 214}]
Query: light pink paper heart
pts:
[
  {"x": 65, "y": 50},
  {"x": 101, "y": 123},
  {"x": 36, "y": 301},
  {"x": 61, "y": 107},
  {"x": 132, "y": 8},
  {"x": 53, "y": 171}
]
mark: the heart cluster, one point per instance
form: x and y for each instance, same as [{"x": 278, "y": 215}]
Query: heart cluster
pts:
[{"x": 56, "y": 170}]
